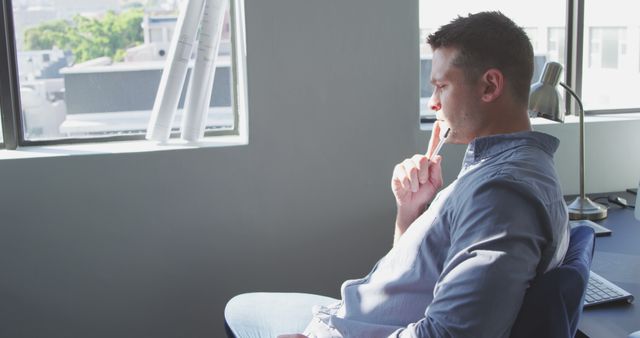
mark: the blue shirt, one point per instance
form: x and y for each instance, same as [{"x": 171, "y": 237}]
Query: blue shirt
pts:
[{"x": 462, "y": 268}]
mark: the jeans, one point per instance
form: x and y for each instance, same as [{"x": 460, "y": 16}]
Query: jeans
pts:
[{"x": 267, "y": 315}]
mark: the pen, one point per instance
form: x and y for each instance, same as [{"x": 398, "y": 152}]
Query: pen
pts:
[{"x": 440, "y": 143}]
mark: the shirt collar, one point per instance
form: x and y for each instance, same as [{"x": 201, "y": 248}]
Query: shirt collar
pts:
[{"x": 488, "y": 146}]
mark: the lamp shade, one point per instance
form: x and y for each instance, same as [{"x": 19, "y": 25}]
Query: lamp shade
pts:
[{"x": 544, "y": 97}]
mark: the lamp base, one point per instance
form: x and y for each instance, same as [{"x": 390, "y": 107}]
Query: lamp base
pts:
[{"x": 584, "y": 208}]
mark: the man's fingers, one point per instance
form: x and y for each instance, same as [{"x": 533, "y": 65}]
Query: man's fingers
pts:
[
  {"x": 397, "y": 182},
  {"x": 412, "y": 173},
  {"x": 422, "y": 163},
  {"x": 409, "y": 175},
  {"x": 434, "y": 139},
  {"x": 435, "y": 171}
]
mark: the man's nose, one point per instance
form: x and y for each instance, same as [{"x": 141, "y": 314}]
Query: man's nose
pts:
[{"x": 434, "y": 103}]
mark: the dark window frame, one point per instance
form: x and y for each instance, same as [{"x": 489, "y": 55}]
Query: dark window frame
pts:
[
  {"x": 574, "y": 46},
  {"x": 575, "y": 60},
  {"x": 10, "y": 100}
]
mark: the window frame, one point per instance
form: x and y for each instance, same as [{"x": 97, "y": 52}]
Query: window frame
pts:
[
  {"x": 13, "y": 135},
  {"x": 9, "y": 78},
  {"x": 574, "y": 46},
  {"x": 575, "y": 60}
]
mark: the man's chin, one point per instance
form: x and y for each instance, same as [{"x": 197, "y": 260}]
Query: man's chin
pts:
[{"x": 455, "y": 138}]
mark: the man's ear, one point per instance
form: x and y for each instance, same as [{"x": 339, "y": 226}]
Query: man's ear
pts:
[{"x": 492, "y": 85}]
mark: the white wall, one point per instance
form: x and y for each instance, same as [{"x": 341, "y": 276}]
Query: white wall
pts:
[
  {"x": 612, "y": 154},
  {"x": 154, "y": 244}
]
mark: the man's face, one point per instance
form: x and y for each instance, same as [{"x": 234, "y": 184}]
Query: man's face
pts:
[{"x": 454, "y": 98}]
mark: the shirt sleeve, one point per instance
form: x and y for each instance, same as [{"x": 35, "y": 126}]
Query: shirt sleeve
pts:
[{"x": 497, "y": 238}]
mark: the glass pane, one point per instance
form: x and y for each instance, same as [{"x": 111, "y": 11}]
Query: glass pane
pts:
[
  {"x": 611, "y": 54},
  {"x": 544, "y": 23},
  {"x": 92, "y": 68}
]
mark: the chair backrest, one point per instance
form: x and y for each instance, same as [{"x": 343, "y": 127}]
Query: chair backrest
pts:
[{"x": 553, "y": 303}]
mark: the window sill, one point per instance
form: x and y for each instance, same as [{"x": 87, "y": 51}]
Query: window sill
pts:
[
  {"x": 120, "y": 147},
  {"x": 590, "y": 118},
  {"x": 570, "y": 119}
]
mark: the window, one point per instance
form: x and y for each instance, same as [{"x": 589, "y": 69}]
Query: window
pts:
[
  {"x": 157, "y": 35},
  {"x": 535, "y": 21},
  {"x": 555, "y": 44},
  {"x": 611, "y": 51},
  {"x": 81, "y": 79},
  {"x": 607, "y": 45},
  {"x": 532, "y": 33},
  {"x": 612, "y": 42},
  {"x": 604, "y": 71}
]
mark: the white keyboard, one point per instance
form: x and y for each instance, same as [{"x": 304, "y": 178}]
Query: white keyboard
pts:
[{"x": 600, "y": 290}]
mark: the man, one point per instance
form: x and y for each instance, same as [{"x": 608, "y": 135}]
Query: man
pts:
[{"x": 462, "y": 258}]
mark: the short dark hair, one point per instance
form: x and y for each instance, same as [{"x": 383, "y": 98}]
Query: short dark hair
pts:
[{"x": 489, "y": 40}]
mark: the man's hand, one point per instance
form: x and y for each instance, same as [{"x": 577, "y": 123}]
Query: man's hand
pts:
[
  {"x": 295, "y": 335},
  {"x": 415, "y": 182}
]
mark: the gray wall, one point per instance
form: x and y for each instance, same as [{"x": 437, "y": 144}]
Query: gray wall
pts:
[{"x": 154, "y": 244}]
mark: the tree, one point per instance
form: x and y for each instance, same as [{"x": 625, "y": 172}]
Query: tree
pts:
[
  {"x": 90, "y": 38},
  {"x": 47, "y": 35}
]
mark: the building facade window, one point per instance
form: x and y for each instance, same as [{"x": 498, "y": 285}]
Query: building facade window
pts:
[
  {"x": 532, "y": 32},
  {"x": 607, "y": 46},
  {"x": 556, "y": 44}
]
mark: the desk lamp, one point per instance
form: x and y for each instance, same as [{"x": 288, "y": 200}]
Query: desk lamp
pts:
[{"x": 544, "y": 101}]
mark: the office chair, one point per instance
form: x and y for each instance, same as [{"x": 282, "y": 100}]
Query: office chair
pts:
[{"x": 553, "y": 303}]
